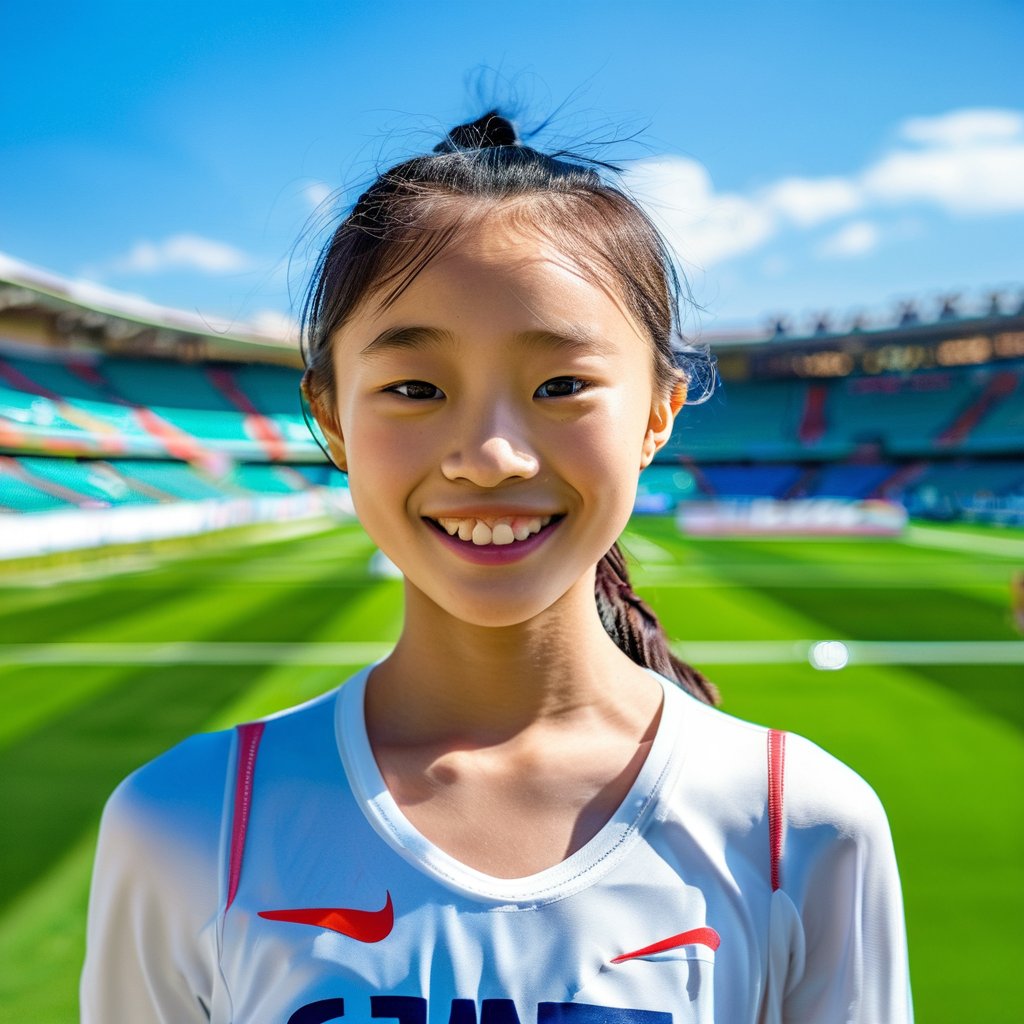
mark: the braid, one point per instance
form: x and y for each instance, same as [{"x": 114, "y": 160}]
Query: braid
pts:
[{"x": 635, "y": 628}]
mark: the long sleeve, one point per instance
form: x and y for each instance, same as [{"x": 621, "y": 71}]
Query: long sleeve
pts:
[
  {"x": 151, "y": 942},
  {"x": 839, "y": 914}
]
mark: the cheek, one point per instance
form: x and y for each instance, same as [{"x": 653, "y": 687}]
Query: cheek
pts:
[
  {"x": 379, "y": 464},
  {"x": 614, "y": 435},
  {"x": 386, "y": 449}
]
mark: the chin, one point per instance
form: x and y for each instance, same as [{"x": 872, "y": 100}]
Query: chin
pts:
[{"x": 491, "y": 608}]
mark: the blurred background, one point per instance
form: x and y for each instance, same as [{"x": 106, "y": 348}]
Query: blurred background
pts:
[{"x": 836, "y": 536}]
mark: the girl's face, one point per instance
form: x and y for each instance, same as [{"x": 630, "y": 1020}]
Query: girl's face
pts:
[{"x": 494, "y": 421}]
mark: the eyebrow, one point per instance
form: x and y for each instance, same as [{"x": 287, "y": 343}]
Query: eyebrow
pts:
[
  {"x": 579, "y": 341},
  {"x": 407, "y": 338}
]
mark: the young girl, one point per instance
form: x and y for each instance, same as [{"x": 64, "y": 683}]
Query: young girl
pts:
[{"x": 529, "y": 812}]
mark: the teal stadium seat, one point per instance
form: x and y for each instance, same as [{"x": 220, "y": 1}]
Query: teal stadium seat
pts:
[
  {"x": 206, "y": 424},
  {"x": 18, "y": 496},
  {"x": 272, "y": 389},
  {"x": 971, "y": 478},
  {"x": 266, "y": 479},
  {"x": 161, "y": 382},
  {"x": 1001, "y": 429},
  {"x": 55, "y": 377},
  {"x": 175, "y": 478},
  {"x": 36, "y": 414},
  {"x": 91, "y": 479},
  {"x": 741, "y": 420},
  {"x": 904, "y": 414}
]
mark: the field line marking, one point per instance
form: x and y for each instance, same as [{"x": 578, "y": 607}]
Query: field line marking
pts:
[
  {"x": 861, "y": 652},
  {"x": 192, "y": 653}
]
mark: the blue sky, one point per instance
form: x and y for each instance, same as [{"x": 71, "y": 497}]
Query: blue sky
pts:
[{"x": 801, "y": 156}]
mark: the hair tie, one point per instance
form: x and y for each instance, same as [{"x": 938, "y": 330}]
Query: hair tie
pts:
[{"x": 486, "y": 132}]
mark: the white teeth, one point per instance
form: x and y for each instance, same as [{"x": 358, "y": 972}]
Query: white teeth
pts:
[
  {"x": 502, "y": 534},
  {"x": 505, "y": 530}
]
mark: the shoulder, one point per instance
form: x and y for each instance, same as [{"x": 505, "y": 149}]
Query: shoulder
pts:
[
  {"x": 176, "y": 799},
  {"x": 727, "y": 762},
  {"x": 823, "y": 793},
  {"x": 188, "y": 788}
]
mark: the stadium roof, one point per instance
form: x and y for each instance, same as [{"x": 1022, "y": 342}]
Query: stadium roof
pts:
[{"x": 117, "y": 321}]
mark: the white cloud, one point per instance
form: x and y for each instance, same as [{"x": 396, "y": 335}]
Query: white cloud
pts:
[
  {"x": 966, "y": 162},
  {"x": 809, "y": 201},
  {"x": 963, "y": 127},
  {"x": 275, "y": 324},
  {"x": 184, "y": 251},
  {"x": 855, "y": 239},
  {"x": 972, "y": 178},
  {"x": 704, "y": 227}
]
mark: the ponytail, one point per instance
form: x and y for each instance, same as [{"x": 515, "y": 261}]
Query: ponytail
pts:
[{"x": 637, "y": 631}]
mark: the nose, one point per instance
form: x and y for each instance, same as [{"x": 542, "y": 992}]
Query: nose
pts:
[{"x": 488, "y": 449}]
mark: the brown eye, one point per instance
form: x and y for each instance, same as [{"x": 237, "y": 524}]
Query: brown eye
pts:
[
  {"x": 418, "y": 390},
  {"x": 560, "y": 387}
]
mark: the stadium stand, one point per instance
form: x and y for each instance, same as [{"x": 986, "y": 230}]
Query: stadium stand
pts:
[{"x": 750, "y": 480}]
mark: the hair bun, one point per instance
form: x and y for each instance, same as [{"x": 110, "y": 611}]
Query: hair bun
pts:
[{"x": 491, "y": 129}]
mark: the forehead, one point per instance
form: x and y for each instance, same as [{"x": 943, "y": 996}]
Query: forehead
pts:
[{"x": 505, "y": 268}]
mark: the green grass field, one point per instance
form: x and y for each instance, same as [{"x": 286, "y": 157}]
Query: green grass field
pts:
[{"x": 101, "y": 670}]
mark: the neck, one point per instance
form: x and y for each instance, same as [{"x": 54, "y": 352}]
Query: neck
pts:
[{"x": 448, "y": 679}]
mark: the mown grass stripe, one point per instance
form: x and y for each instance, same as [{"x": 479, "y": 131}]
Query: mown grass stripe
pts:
[
  {"x": 953, "y": 540},
  {"x": 56, "y": 778},
  {"x": 195, "y": 611}
]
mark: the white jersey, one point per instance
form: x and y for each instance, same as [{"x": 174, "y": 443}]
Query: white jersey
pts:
[{"x": 266, "y": 876}]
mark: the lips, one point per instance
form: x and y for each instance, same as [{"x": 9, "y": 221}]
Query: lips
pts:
[{"x": 493, "y": 539}]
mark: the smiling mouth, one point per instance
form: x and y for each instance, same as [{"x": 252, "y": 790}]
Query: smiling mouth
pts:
[{"x": 500, "y": 532}]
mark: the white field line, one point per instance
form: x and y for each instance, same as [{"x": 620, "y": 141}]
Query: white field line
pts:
[
  {"x": 822, "y": 575},
  {"x": 192, "y": 653},
  {"x": 953, "y": 540},
  {"x": 861, "y": 652}
]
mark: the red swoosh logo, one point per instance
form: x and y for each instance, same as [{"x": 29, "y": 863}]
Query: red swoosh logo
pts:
[
  {"x": 363, "y": 925},
  {"x": 695, "y": 936}
]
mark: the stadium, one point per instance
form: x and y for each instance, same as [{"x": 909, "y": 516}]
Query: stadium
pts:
[{"x": 835, "y": 537}]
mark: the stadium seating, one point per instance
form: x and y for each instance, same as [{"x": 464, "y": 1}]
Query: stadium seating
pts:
[
  {"x": 751, "y": 481},
  {"x": 1002, "y": 427},
  {"x": 741, "y": 420},
  {"x": 95, "y": 481},
  {"x": 54, "y": 377},
  {"x": 272, "y": 389},
  {"x": 848, "y": 481}
]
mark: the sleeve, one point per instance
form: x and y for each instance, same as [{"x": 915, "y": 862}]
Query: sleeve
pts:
[
  {"x": 151, "y": 944},
  {"x": 840, "y": 908}
]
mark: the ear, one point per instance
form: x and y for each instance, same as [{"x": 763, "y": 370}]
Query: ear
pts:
[
  {"x": 327, "y": 420},
  {"x": 659, "y": 426}
]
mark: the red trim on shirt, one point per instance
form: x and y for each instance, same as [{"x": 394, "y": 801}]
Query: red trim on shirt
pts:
[
  {"x": 776, "y": 774},
  {"x": 249, "y": 736}
]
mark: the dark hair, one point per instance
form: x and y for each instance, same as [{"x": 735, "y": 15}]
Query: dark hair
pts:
[{"x": 415, "y": 209}]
